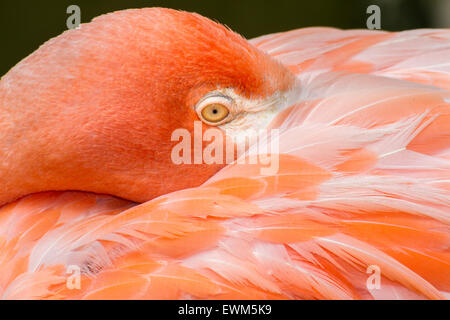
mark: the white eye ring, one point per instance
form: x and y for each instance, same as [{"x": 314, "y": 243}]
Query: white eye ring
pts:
[{"x": 214, "y": 98}]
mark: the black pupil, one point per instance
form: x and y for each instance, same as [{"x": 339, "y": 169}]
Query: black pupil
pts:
[{"x": 214, "y": 111}]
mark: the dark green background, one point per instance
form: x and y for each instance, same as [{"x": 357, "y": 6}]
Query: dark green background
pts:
[{"x": 24, "y": 25}]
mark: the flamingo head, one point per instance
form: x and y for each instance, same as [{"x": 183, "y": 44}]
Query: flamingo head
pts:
[{"x": 94, "y": 109}]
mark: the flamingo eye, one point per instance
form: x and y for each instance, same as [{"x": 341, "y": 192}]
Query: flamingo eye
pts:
[{"x": 214, "y": 112}]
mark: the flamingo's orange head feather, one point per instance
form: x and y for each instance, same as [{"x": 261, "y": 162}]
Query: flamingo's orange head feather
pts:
[{"x": 94, "y": 108}]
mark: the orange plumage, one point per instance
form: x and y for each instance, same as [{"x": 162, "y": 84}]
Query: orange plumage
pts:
[{"x": 363, "y": 179}]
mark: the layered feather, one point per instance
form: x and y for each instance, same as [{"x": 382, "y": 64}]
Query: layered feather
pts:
[{"x": 363, "y": 181}]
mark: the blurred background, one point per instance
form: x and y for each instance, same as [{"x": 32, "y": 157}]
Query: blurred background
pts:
[{"x": 25, "y": 24}]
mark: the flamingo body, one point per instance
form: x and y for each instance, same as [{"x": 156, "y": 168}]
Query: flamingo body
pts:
[{"x": 363, "y": 182}]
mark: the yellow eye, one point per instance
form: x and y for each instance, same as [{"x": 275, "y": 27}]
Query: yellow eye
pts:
[{"x": 215, "y": 112}]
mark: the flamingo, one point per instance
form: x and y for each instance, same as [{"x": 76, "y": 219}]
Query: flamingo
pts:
[{"x": 362, "y": 188}]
